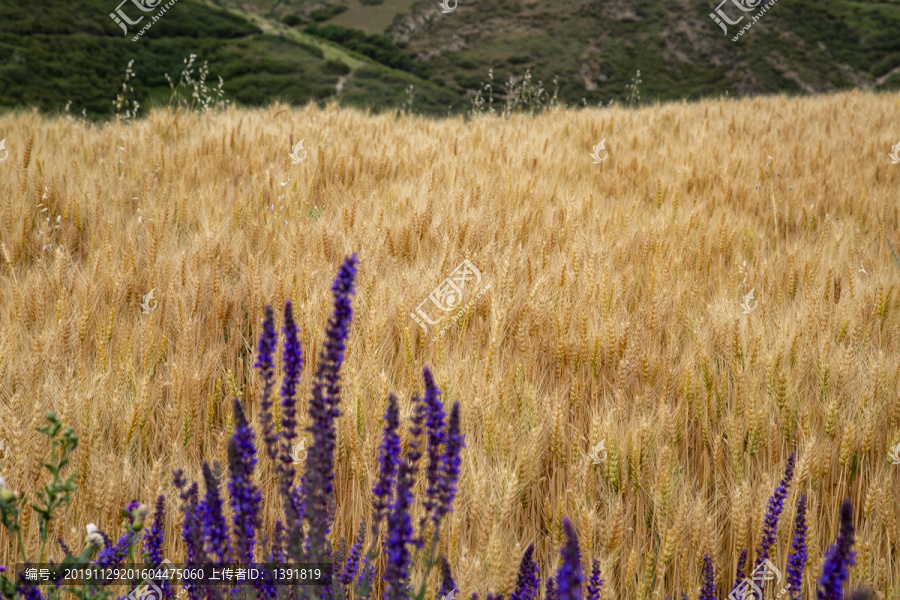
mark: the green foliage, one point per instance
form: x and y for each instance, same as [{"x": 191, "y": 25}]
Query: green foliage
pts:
[
  {"x": 323, "y": 14},
  {"x": 377, "y": 47},
  {"x": 56, "y": 493}
]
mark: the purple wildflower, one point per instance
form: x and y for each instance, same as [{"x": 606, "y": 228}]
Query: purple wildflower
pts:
[
  {"x": 191, "y": 529},
  {"x": 527, "y": 581},
  {"x": 352, "y": 564},
  {"x": 595, "y": 584},
  {"x": 365, "y": 579},
  {"x": 63, "y": 546},
  {"x": 278, "y": 543},
  {"x": 447, "y": 583},
  {"x": 399, "y": 535},
  {"x": 214, "y": 527},
  {"x": 323, "y": 409},
  {"x": 245, "y": 497},
  {"x": 708, "y": 591},
  {"x": 292, "y": 359},
  {"x": 112, "y": 555},
  {"x": 797, "y": 558},
  {"x": 838, "y": 558},
  {"x": 550, "y": 591},
  {"x": 264, "y": 351},
  {"x": 773, "y": 512},
  {"x": 452, "y": 462},
  {"x": 153, "y": 541},
  {"x": 436, "y": 431},
  {"x": 28, "y": 589},
  {"x": 569, "y": 577},
  {"x": 390, "y": 456}
]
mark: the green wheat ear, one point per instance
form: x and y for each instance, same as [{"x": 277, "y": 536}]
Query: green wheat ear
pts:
[{"x": 894, "y": 252}]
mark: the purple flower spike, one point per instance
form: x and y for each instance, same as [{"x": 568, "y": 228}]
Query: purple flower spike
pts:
[
  {"x": 527, "y": 581},
  {"x": 323, "y": 409},
  {"x": 569, "y": 577},
  {"x": 390, "y": 456},
  {"x": 708, "y": 591},
  {"x": 797, "y": 558},
  {"x": 436, "y": 431},
  {"x": 214, "y": 527},
  {"x": 153, "y": 541},
  {"x": 278, "y": 542},
  {"x": 447, "y": 583},
  {"x": 245, "y": 497},
  {"x": 264, "y": 352},
  {"x": 366, "y": 576},
  {"x": 838, "y": 559},
  {"x": 28, "y": 589},
  {"x": 595, "y": 584},
  {"x": 773, "y": 512},
  {"x": 399, "y": 535},
  {"x": 550, "y": 592},
  {"x": 452, "y": 462},
  {"x": 292, "y": 359},
  {"x": 352, "y": 564}
]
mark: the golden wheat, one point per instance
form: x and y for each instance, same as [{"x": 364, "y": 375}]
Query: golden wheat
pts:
[{"x": 613, "y": 314}]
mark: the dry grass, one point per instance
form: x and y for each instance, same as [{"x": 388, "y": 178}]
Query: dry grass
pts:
[{"x": 613, "y": 314}]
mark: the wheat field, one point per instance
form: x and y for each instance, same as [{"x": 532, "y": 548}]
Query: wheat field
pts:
[{"x": 613, "y": 314}]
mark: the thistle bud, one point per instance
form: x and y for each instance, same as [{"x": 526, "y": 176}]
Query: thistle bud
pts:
[{"x": 93, "y": 537}]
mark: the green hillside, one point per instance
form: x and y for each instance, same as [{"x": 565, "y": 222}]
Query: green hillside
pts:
[{"x": 289, "y": 50}]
